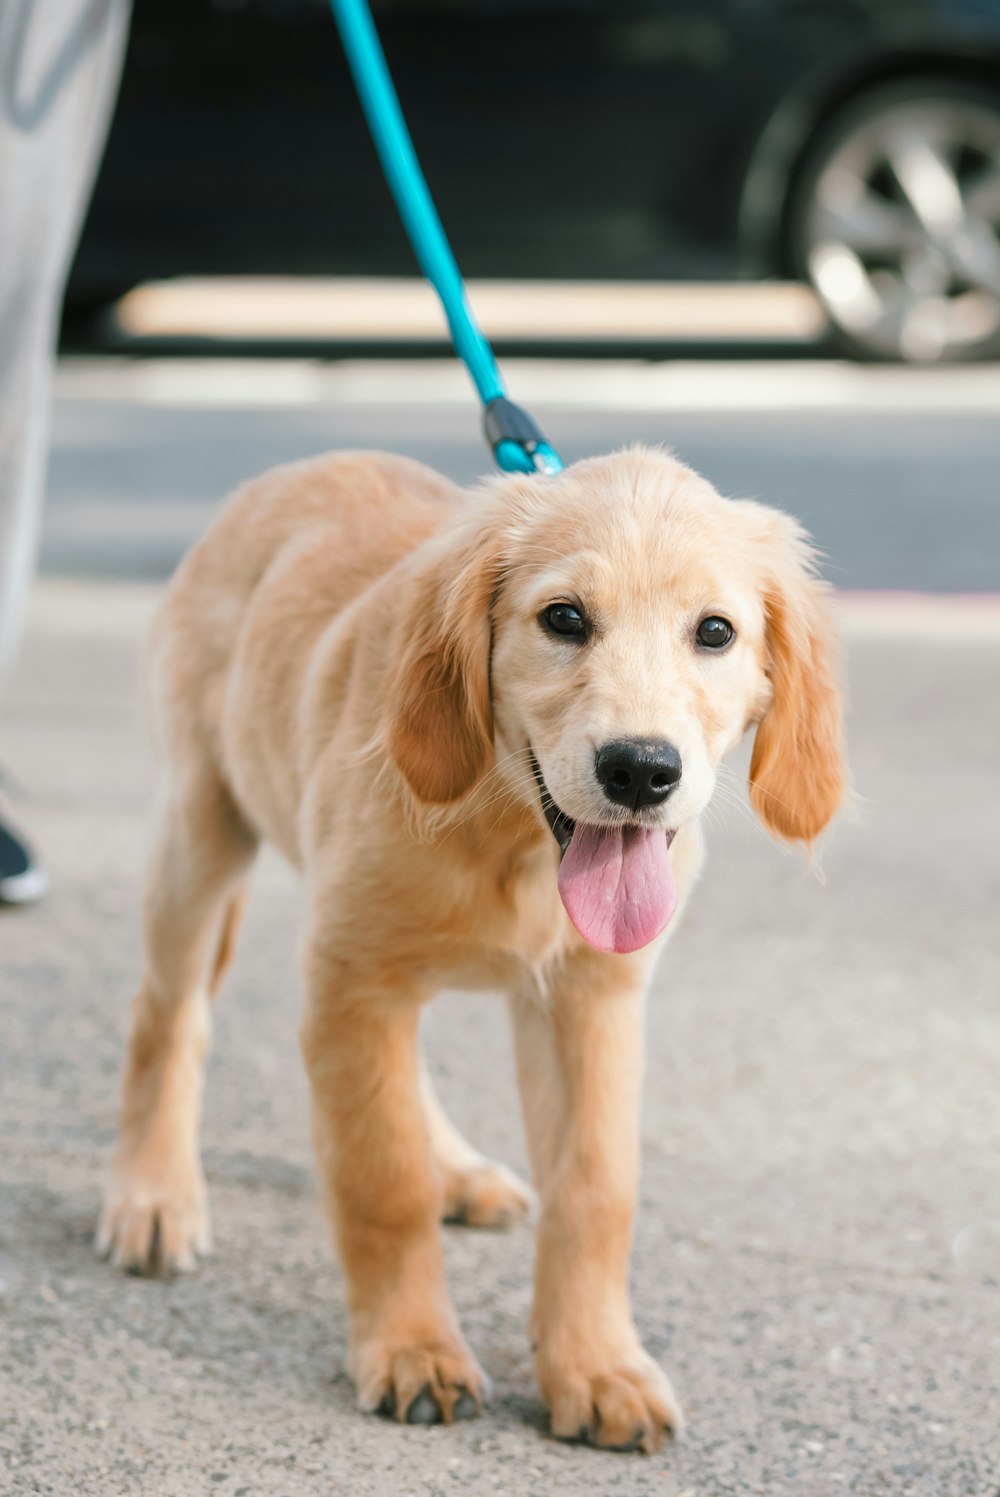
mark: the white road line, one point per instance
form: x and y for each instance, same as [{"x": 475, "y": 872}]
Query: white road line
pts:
[{"x": 693, "y": 386}]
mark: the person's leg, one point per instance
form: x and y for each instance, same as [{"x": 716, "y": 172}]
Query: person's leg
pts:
[{"x": 59, "y": 70}]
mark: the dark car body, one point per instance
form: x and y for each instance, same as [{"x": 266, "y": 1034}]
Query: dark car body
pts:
[{"x": 561, "y": 138}]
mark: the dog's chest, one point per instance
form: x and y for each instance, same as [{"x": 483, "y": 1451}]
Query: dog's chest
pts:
[{"x": 515, "y": 913}]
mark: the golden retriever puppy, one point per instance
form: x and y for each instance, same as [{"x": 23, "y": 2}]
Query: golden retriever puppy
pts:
[{"x": 484, "y": 727}]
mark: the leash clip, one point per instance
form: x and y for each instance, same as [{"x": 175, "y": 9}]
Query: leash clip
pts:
[{"x": 517, "y": 443}]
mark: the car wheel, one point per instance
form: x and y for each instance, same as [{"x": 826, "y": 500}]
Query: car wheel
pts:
[{"x": 895, "y": 220}]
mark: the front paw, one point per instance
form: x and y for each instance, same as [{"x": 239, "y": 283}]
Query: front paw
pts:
[
  {"x": 617, "y": 1403},
  {"x": 429, "y": 1379}
]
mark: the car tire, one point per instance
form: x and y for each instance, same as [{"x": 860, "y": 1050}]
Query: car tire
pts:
[{"x": 894, "y": 219}]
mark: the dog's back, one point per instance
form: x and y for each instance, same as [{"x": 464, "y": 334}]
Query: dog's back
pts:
[{"x": 233, "y": 638}]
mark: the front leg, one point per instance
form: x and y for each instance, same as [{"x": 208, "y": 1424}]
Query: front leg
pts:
[
  {"x": 580, "y": 1068},
  {"x": 407, "y": 1356}
]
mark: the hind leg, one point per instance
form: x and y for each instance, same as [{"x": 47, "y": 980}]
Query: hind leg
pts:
[
  {"x": 478, "y": 1192},
  {"x": 155, "y": 1215}
]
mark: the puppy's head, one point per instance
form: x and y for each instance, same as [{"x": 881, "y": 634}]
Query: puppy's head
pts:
[{"x": 601, "y": 641}]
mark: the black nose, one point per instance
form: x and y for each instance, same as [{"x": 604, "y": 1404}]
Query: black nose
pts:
[{"x": 635, "y": 772}]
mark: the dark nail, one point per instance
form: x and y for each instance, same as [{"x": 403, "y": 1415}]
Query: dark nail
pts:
[
  {"x": 387, "y": 1408},
  {"x": 466, "y": 1407},
  {"x": 424, "y": 1409}
]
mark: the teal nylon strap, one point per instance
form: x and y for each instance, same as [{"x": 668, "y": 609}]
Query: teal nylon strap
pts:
[{"x": 517, "y": 444}]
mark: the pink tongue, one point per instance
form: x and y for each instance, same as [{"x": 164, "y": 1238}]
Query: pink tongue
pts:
[{"x": 617, "y": 885}]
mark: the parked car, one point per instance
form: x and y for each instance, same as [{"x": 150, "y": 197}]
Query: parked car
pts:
[{"x": 851, "y": 143}]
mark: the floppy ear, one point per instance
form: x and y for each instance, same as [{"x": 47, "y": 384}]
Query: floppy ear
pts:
[
  {"x": 440, "y": 727},
  {"x": 797, "y": 767}
]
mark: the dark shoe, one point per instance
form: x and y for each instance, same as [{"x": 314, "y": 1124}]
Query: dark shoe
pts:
[{"x": 22, "y": 881}]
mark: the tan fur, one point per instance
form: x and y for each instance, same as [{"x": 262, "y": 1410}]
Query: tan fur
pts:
[
  {"x": 796, "y": 775},
  {"x": 351, "y": 666}
]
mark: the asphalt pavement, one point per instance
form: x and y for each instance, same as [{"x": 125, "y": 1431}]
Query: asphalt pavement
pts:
[
  {"x": 817, "y": 1256},
  {"x": 893, "y": 471}
]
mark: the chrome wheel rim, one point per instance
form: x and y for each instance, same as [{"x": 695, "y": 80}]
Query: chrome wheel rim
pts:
[{"x": 903, "y": 231}]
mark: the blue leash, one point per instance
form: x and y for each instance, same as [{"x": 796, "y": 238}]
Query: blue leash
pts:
[{"x": 517, "y": 443}]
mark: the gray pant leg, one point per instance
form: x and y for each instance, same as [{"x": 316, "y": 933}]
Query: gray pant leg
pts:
[{"x": 60, "y": 62}]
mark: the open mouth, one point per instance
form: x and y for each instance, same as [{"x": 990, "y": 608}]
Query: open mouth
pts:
[
  {"x": 561, "y": 826},
  {"x": 615, "y": 881}
]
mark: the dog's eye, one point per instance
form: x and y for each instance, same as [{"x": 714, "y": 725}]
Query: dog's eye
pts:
[
  {"x": 714, "y": 633},
  {"x": 565, "y": 620}
]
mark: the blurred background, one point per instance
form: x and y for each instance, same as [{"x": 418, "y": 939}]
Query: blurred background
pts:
[
  {"x": 852, "y": 146},
  {"x": 766, "y": 232}
]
